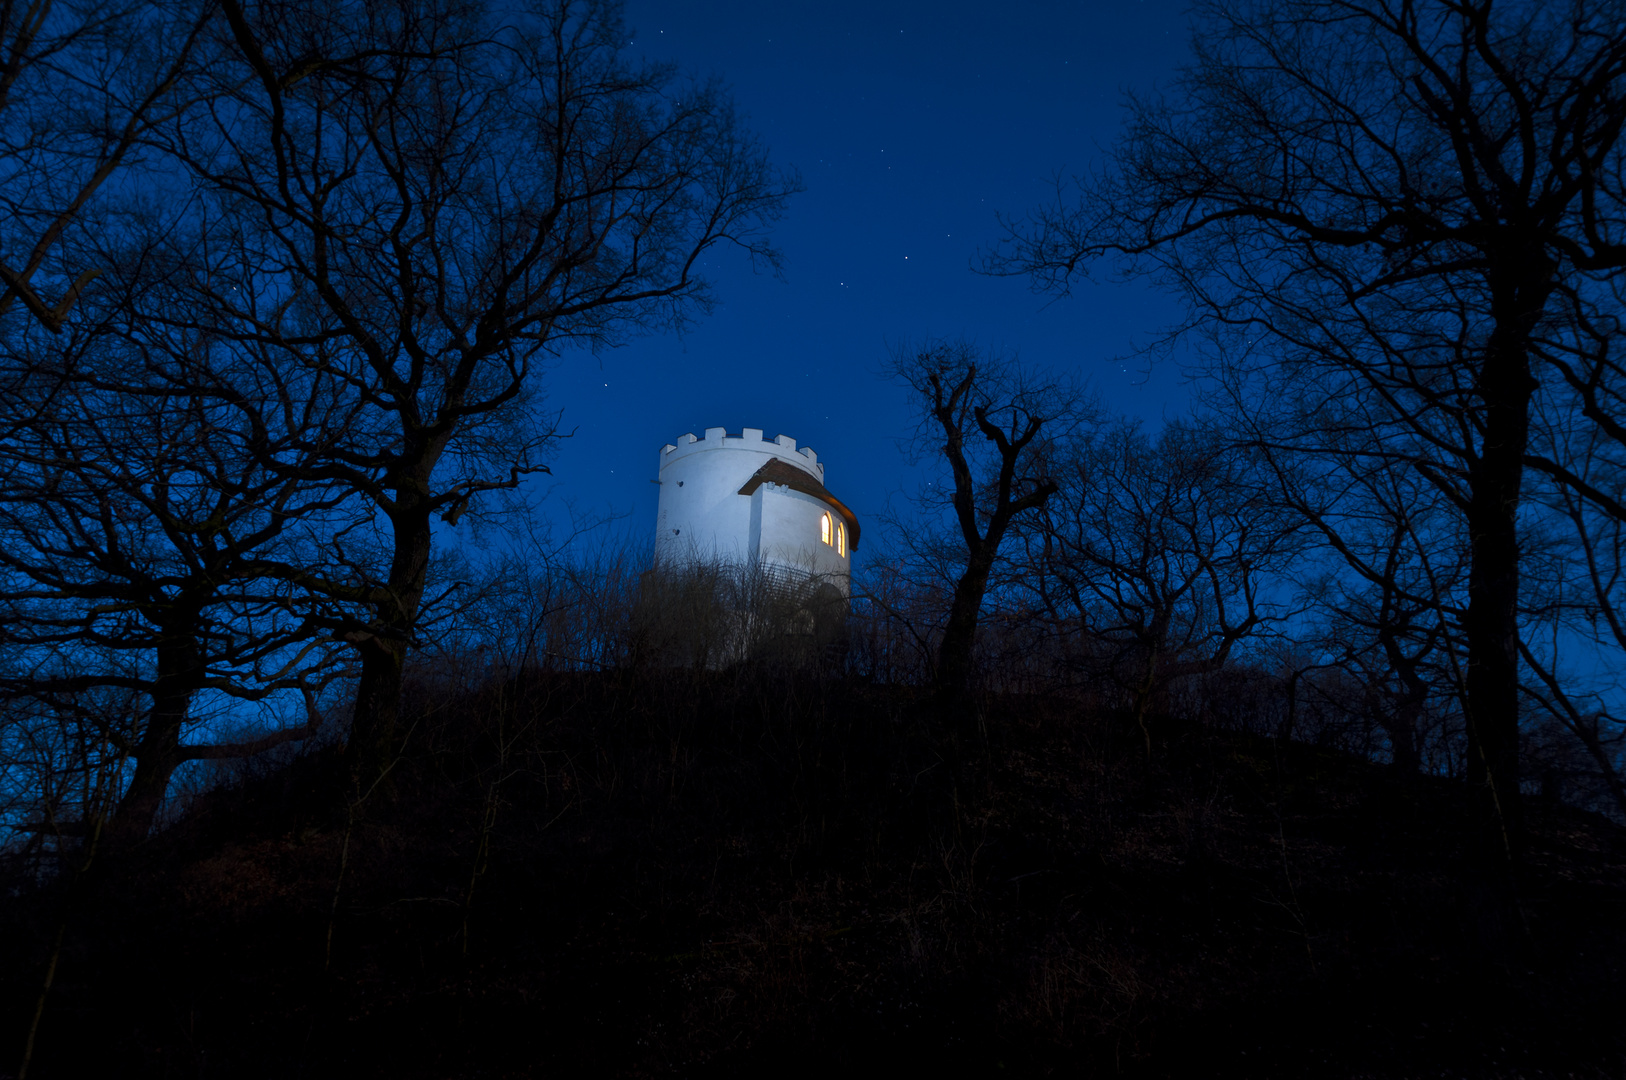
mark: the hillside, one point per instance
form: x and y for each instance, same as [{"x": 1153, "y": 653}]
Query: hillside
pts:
[{"x": 759, "y": 875}]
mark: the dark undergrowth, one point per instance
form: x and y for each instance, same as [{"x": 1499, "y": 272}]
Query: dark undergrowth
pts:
[{"x": 622, "y": 875}]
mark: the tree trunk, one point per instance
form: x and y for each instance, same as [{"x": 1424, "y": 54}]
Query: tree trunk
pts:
[
  {"x": 374, "y": 728},
  {"x": 954, "y": 656},
  {"x": 158, "y": 752},
  {"x": 1492, "y": 628},
  {"x": 1152, "y": 640},
  {"x": 1491, "y": 623},
  {"x": 1143, "y": 699},
  {"x": 373, "y": 724},
  {"x": 1402, "y": 724}
]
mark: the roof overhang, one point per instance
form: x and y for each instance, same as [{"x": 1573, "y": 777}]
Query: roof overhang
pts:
[{"x": 787, "y": 475}]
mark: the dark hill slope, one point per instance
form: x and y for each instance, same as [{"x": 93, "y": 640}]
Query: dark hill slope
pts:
[{"x": 763, "y": 876}]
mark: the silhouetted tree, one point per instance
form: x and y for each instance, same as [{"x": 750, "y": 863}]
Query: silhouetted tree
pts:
[
  {"x": 137, "y": 513},
  {"x": 1412, "y": 204},
  {"x": 1159, "y": 552},
  {"x": 421, "y": 199},
  {"x": 1388, "y": 591},
  {"x": 999, "y": 424}
]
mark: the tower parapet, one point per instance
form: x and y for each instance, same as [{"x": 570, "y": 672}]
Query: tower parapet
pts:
[{"x": 781, "y": 446}]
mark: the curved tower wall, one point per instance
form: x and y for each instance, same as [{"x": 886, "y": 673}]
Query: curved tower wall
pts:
[{"x": 702, "y": 513}]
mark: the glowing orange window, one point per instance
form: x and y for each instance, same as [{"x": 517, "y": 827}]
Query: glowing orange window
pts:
[{"x": 824, "y": 528}]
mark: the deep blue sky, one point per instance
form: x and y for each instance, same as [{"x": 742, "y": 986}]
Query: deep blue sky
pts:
[{"x": 912, "y": 124}]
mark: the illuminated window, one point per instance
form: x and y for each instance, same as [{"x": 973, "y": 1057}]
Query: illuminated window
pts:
[
  {"x": 841, "y": 538},
  {"x": 824, "y": 528}
]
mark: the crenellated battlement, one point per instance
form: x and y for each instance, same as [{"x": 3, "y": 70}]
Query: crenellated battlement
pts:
[
  {"x": 780, "y": 446},
  {"x": 747, "y": 500}
]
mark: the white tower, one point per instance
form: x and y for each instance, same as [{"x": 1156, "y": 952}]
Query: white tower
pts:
[{"x": 748, "y": 500}]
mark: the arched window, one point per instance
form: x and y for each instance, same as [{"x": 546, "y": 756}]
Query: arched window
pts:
[
  {"x": 824, "y": 528},
  {"x": 841, "y": 538}
]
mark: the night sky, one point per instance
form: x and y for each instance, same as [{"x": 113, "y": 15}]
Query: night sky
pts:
[{"x": 912, "y": 125}]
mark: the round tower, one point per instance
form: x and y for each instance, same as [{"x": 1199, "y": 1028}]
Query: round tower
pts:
[{"x": 752, "y": 501}]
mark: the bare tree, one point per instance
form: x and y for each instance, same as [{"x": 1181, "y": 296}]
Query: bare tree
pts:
[
  {"x": 1388, "y": 590},
  {"x": 135, "y": 512},
  {"x": 1404, "y": 202},
  {"x": 1160, "y": 553},
  {"x": 81, "y": 85},
  {"x": 999, "y": 424},
  {"x": 420, "y": 199},
  {"x": 1391, "y": 607}
]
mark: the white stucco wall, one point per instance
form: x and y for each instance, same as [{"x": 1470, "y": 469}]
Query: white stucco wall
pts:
[
  {"x": 790, "y": 532},
  {"x": 701, "y": 515}
]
